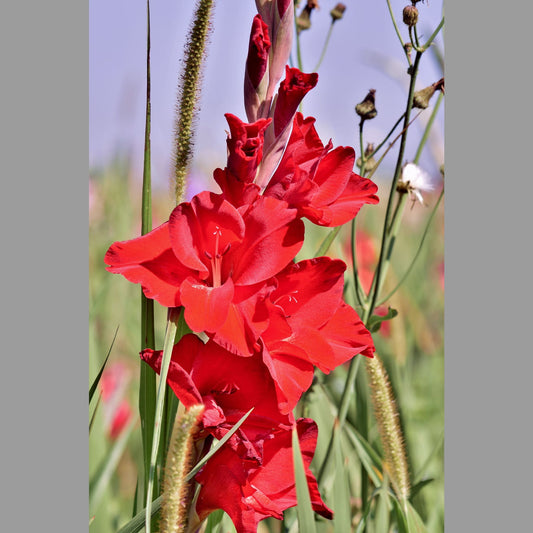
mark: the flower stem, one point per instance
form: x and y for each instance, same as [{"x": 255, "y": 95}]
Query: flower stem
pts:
[
  {"x": 417, "y": 252},
  {"x": 398, "y": 32},
  {"x": 379, "y": 146},
  {"x": 324, "y": 48},
  {"x": 385, "y": 245},
  {"x": 425, "y": 135},
  {"x": 173, "y": 314},
  {"x": 433, "y": 35}
]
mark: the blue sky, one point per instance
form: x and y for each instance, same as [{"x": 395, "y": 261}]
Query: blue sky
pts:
[{"x": 364, "y": 53}]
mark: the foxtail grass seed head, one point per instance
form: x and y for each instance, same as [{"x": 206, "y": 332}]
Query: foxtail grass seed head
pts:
[
  {"x": 390, "y": 432},
  {"x": 177, "y": 492},
  {"x": 367, "y": 108},
  {"x": 410, "y": 15},
  {"x": 190, "y": 86},
  {"x": 337, "y": 12},
  {"x": 421, "y": 98}
]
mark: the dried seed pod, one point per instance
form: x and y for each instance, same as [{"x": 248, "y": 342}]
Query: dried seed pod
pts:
[
  {"x": 410, "y": 15},
  {"x": 367, "y": 108}
]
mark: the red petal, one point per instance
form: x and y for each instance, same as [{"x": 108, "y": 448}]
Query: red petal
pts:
[
  {"x": 290, "y": 93},
  {"x": 347, "y": 335},
  {"x": 206, "y": 308},
  {"x": 358, "y": 192},
  {"x": 310, "y": 291},
  {"x": 292, "y": 372},
  {"x": 177, "y": 378},
  {"x": 195, "y": 226},
  {"x": 273, "y": 237},
  {"x": 149, "y": 260},
  {"x": 332, "y": 175}
]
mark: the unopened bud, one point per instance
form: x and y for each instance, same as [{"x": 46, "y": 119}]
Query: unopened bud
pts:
[
  {"x": 303, "y": 21},
  {"x": 337, "y": 12},
  {"x": 421, "y": 98},
  {"x": 370, "y": 163},
  {"x": 410, "y": 15},
  {"x": 367, "y": 109}
]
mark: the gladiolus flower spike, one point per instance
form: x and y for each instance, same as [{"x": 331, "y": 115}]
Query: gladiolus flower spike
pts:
[{"x": 228, "y": 259}]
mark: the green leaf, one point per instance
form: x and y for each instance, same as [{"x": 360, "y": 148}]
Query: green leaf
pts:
[
  {"x": 306, "y": 516},
  {"x": 375, "y": 321},
  {"x": 368, "y": 457},
  {"x": 97, "y": 379},
  {"x": 415, "y": 489},
  {"x": 326, "y": 243},
  {"x": 94, "y": 412},
  {"x": 342, "y": 519},
  {"x": 401, "y": 519},
  {"x": 383, "y": 507},
  {"x": 214, "y": 520},
  {"x": 414, "y": 522},
  {"x": 136, "y": 524},
  {"x": 219, "y": 445}
]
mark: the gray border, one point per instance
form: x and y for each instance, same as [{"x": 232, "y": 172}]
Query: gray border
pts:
[
  {"x": 487, "y": 272},
  {"x": 44, "y": 221}
]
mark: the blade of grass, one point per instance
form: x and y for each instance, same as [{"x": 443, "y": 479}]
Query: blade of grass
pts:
[
  {"x": 368, "y": 457},
  {"x": 341, "y": 491},
  {"x": 306, "y": 517},
  {"x": 326, "y": 243},
  {"x": 102, "y": 477},
  {"x": 165, "y": 363},
  {"x": 98, "y": 377},
  {"x": 94, "y": 412},
  {"x": 136, "y": 524},
  {"x": 147, "y": 385},
  {"x": 214, "y": 520},
  {"x": 383, "y": 506},
  {"x": 414, "y": 522}
]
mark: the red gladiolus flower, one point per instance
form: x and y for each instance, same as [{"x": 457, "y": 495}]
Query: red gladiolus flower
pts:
[
  {"x": 290, "y": 94},
  {"x": 245, "y": 147},
  {"x": 228, "y": 386},
  {"x": 213, "y": 260},
  {"x": 250, "y": 494},
  {"x": 319, "y": 181},
  {"x": 310, "y": 325},
  {"x": 245, "y": 152}
]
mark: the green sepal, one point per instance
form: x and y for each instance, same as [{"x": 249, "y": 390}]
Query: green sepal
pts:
[{"x": 375, "y": 321}]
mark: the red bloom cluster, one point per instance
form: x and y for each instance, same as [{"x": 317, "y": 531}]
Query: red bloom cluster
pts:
[{"x": 228, "y": 260}]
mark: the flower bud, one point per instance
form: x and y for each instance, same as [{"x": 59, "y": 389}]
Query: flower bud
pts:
[
  {"x": 367, "y": 109},
  {"x": 410, "y": 15},
  {"x": 337, "y": 12},
  {"x": 421, "y": 98},
  {"x": 303, "y": 21},
  {"x": 370, "y": 164}
]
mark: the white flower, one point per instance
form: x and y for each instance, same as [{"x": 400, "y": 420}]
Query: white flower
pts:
[{"x": 417, "y": 181}]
